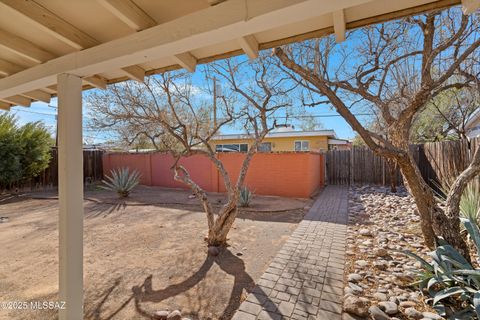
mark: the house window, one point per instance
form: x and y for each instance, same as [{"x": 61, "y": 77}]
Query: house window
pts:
[
  {"x": 234, "y": 147},
  {"x": 265, "y": 147},
  {"x": 302, "y": 145}
]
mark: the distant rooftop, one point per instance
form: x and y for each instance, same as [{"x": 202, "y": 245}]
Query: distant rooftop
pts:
[{"x": 281, "y": 133}]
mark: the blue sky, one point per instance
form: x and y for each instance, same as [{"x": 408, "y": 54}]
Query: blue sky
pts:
[
  {"x": 324, "y": 114},
  {"x": 40, "y": 111}
]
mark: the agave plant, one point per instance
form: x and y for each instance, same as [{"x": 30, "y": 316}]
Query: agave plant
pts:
[
  {"x": 121, "y": 181},
  {"x": 245, "y": 197},
  {"x": 452, "y": 283}
]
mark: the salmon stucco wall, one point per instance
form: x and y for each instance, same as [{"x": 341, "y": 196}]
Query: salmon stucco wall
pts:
[
  {"x": 198, "y": 168},
  {"x": 289, "y": 174},
  {"x": 285, "y": 174},
  {"x": 135, "y": 161}
]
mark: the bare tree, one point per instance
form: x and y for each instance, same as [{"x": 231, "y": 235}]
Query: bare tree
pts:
[
  {"x": 111, "y": 114},
  {"x": 395, "y": 69},
  {"x": 249, "y": 97}
]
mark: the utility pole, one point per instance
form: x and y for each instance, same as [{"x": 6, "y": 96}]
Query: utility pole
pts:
[{"x": 214, "y": 102}]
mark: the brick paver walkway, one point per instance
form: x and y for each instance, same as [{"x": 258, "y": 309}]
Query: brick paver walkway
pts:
[{"x": 305, "y": 279}]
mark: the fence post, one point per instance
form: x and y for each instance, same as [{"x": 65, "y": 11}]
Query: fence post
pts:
[
  {"x": 352, "y": 167},
  {"x": 383, "y": 171}
]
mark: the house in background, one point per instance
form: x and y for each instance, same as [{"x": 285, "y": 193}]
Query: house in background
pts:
[
  {"x": 282, "y": 139},
  {"x": 472, "y": 126},
  {"x": 339, "y": 144}
]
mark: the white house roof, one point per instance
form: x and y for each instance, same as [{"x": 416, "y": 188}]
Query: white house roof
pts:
[
  {"x": 473, "y": 119},
  {"x": 107, "y": 41},
  {"x": 338, "y": 141},
  {"x": 316, "y": 133}
]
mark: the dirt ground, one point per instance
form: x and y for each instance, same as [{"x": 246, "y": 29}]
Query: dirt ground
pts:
[{"x": 141, "y": 255}]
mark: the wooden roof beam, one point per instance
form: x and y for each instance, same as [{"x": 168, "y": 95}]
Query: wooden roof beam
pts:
[
  {"x": 74, "y": 37},
  {"x": 339, "y": 25},
  {"x": 207, "y": 27},
  {"x": 5, "y": 106},
  {"x": 23, "y": 47},
  {"x": 135, "y": 73},
  {"x": 7, "y": 68},
  {"x": 18, "y": 100},
  {"x": 96, "y": 82},
  {"x": 129, "y": 13},
  {"x": 186, "y": 60},
  {"x": 249, "y": 45},
  {"x": 51, "y": 89},
  {"x": 470, "y": 6},
  {"x": 51, "y": 23},
  {"x": 38, "y": 95},
  {"x": 214, "y": 2}
]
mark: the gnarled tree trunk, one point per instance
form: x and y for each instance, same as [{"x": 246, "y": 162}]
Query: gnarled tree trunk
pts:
[
  {"x": 392, "y": 173},
  {"x": 217, "y": 235}
]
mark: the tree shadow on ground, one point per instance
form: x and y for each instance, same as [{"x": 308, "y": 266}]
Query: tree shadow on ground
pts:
[
  {"x": 11, "y": 198},
  {"x": 103, "y": 209},
  {"x": 227, "y": 262},
  {"x": 95, "y": 313}
]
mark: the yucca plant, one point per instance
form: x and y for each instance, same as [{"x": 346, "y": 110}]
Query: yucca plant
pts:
[
  {"x": 121, "y": 181},
  {"x": 469, "y": 202},
  {"x": 452, "y": 283},
  {"x": 245, "y": 197}
]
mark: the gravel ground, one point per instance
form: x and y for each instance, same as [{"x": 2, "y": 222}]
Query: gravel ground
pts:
[{"x": 377, "y": 274}]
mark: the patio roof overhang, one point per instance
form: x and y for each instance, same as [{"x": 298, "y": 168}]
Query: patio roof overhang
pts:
[
  {"x": 107, "y": 41},
  {"x": 56, "y": 47}
]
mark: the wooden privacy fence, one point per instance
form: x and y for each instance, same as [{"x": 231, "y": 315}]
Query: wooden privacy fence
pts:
[
  {"x": 288, "y": 174},
  {"x": 357, "y": 166},
  {"x": 437, "y": 161},
  {"x": 92, "y": 170}
]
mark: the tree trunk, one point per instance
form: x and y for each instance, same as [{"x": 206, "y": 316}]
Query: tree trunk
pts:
[
  {"x": 392, "y": 172},
  {"x": 423, "y": 196},
  {"x": 217, "y": 235},
  {"x": 448, "y": 226},
  {"x": 434, "y": 220}
]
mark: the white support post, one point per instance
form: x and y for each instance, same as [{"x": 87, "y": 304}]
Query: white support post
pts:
[{"x": 70, "y": 190}]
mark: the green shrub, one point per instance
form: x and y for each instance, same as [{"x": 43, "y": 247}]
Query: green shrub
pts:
[
  {"x": 245, "y": 197},
  {"x": 24, "y": 151},
  {"x": 122, "y": 181},
  {"x": 452, "y": 283}
]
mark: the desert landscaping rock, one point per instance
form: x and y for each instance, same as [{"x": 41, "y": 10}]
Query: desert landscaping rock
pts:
[
  {"x": 161, "y": 315},
  {"x": 356, "y": 306},
  {"x": 381, "y": 252},
  {"x": 407, "y": 304},
  {"x": 355, "y": 288},
  {"x": 431, "y": 315},
  {"x": 380, "y": 296},
  {"x": 388, "y": 307},
  {"x": 175, "y": 315},
  {"x": 377, "y": 314},
  {"x": 382, "y": 224},
  {"x": 413, "y": 313},
  {"x": 365, "y": 232},
  {"x": 354, "y": 277}
]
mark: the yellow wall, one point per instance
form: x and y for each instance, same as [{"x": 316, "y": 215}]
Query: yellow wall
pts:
[{"x": 316, "y": 144}]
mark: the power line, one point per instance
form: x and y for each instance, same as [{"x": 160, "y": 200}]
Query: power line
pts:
[
  {"x": 36, "y": 112},
  {"x": 43, "y": 113},
  {"x": 323, "y": 115}
]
